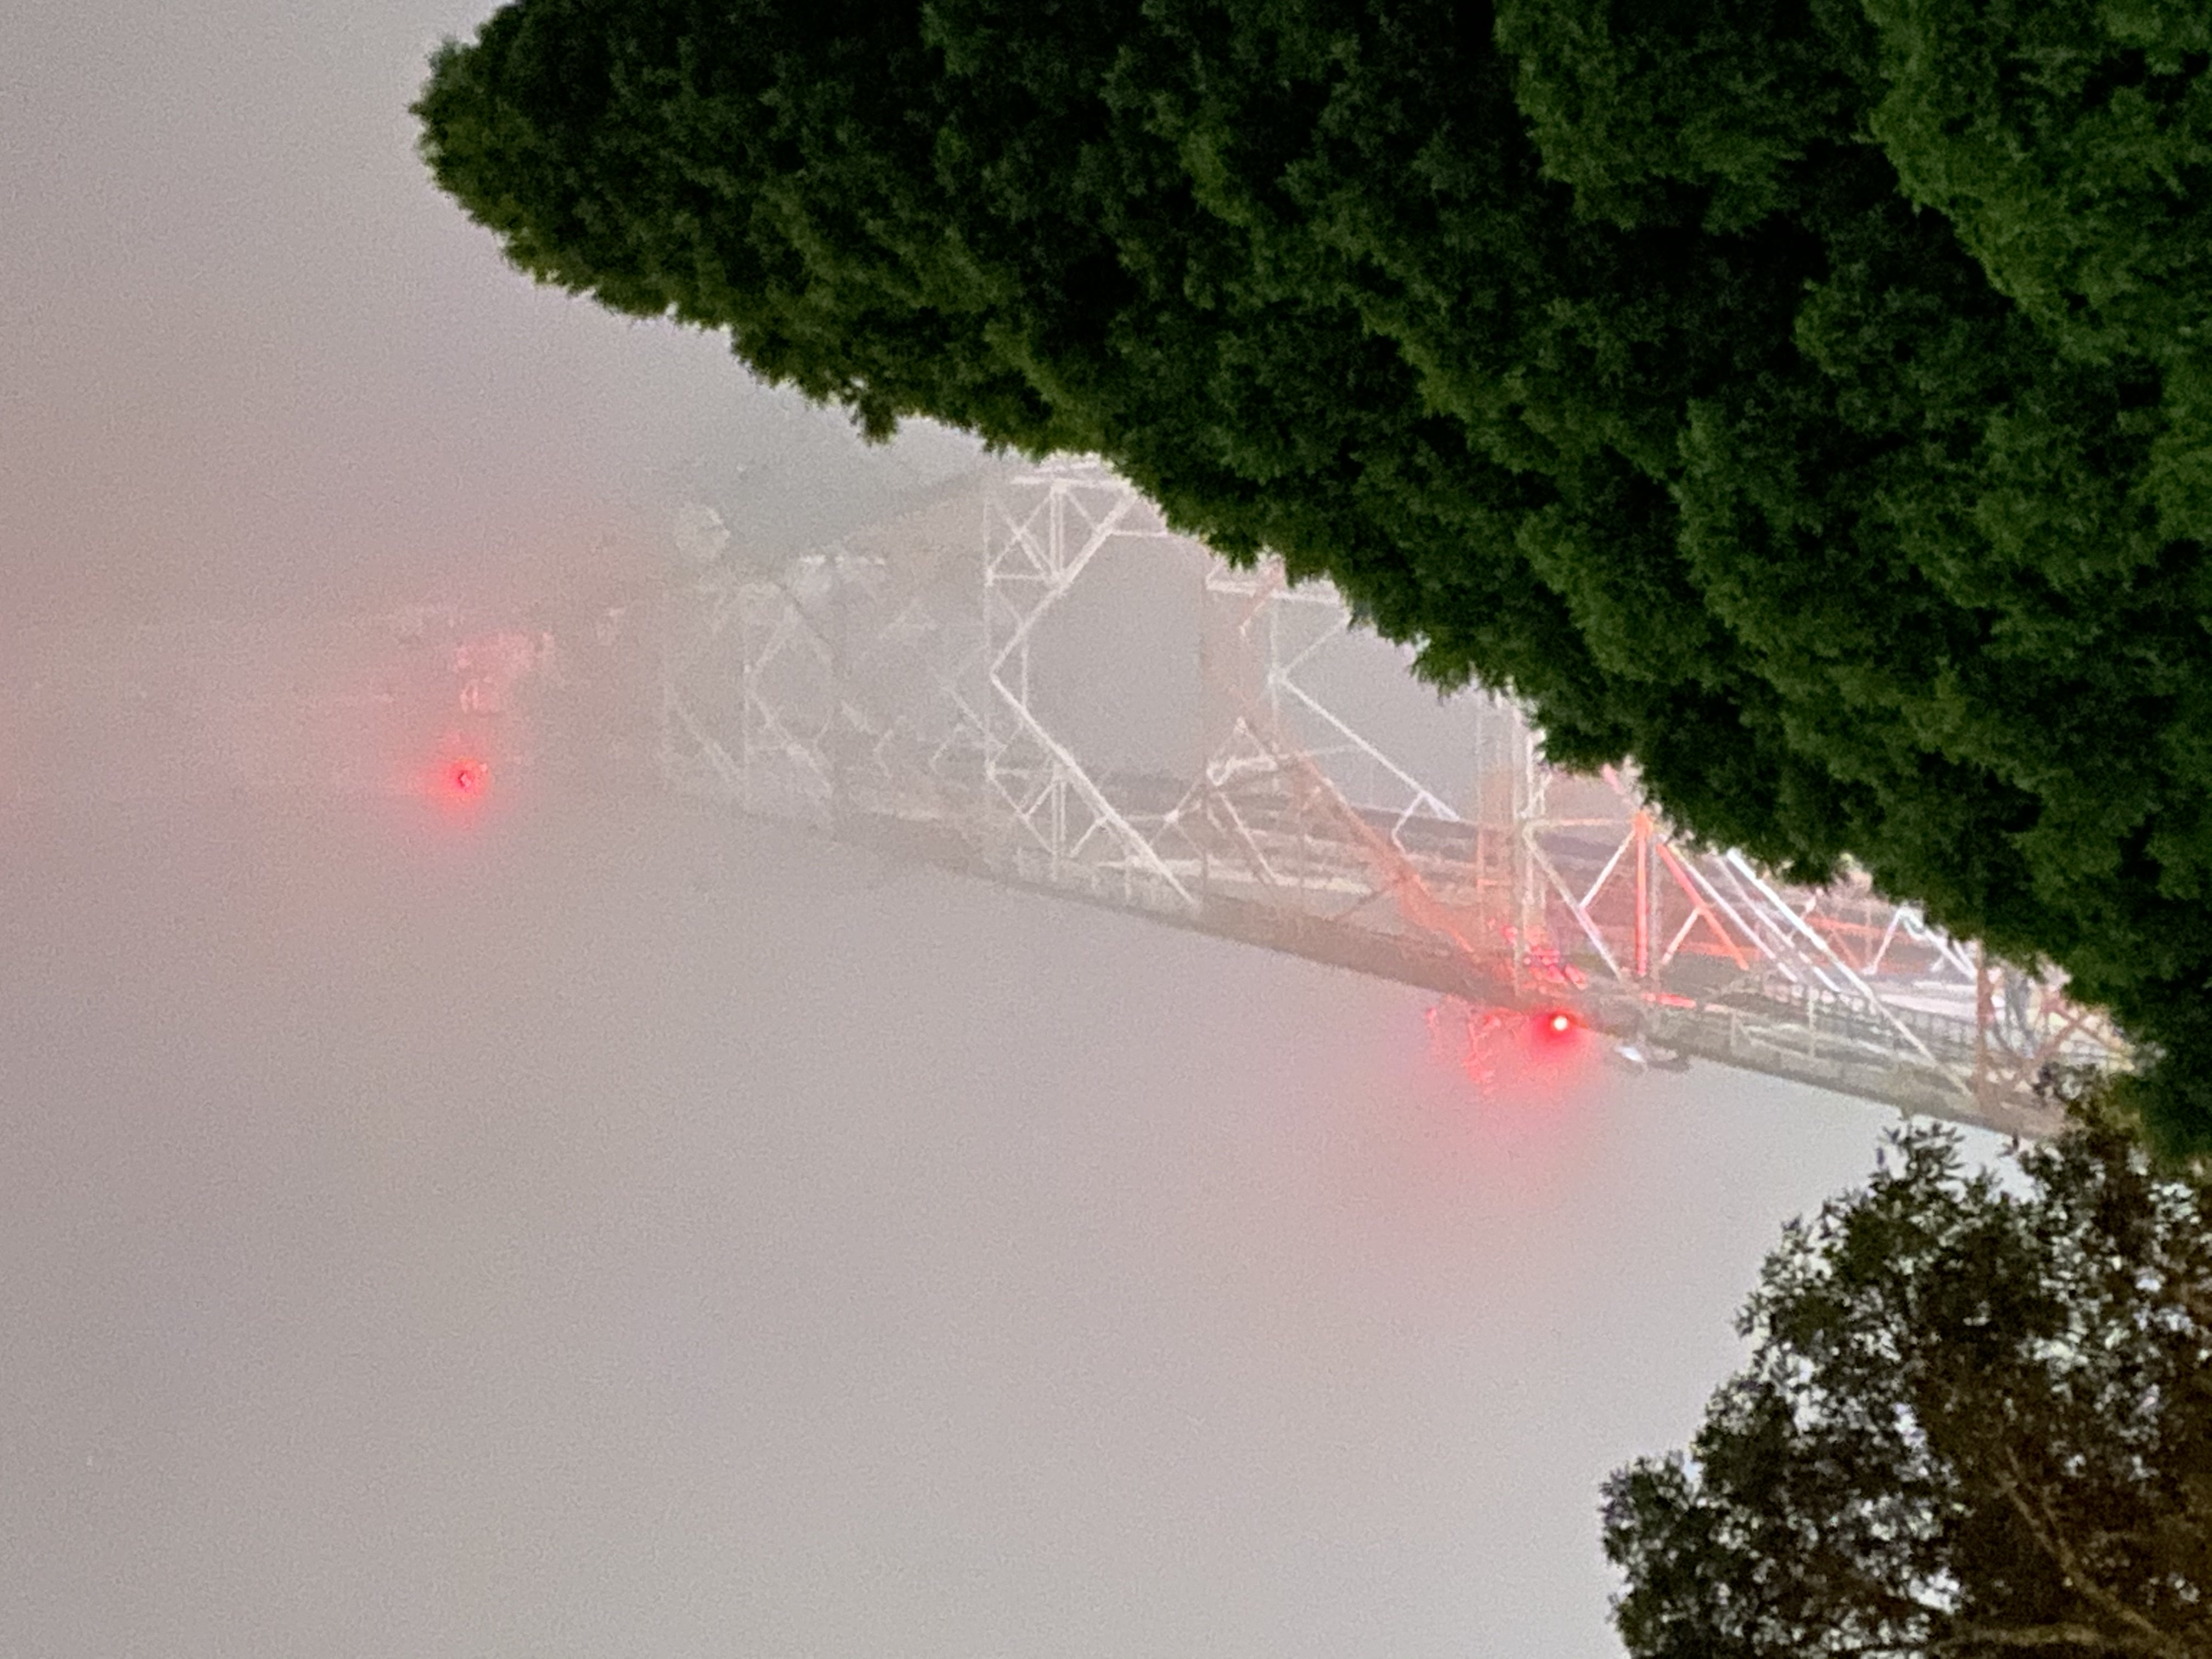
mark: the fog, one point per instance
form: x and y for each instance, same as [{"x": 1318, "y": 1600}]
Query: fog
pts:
[{"x": 593, "y": 1224}]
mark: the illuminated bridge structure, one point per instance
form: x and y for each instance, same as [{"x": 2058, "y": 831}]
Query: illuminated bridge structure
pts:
[
  {"x": 900, "y": 691},
  {"x": 1031, "y": 681}
]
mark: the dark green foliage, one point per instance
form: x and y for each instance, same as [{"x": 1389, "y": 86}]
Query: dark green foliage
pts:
[
  {"x": 1975, "y": 1423},
  {"x": 2071, "y": 147},
  {"x": 1805, "y": 399}
]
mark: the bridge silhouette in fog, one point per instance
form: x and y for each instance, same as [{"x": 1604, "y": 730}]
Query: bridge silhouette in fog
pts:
[
  {"x": 1030, "y": 679},
  {"x": 922, "y": 688}
]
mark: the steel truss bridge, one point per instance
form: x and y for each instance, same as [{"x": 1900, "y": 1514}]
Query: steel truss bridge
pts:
[
  {"x": 1234, "y": 757},
  {"x": 900, "y": 691}
]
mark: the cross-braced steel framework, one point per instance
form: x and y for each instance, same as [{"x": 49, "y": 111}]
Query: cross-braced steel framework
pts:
[{"x": 903, "y": 702}]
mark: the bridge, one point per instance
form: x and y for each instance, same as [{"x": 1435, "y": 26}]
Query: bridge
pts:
[
  {"x": 897, "y": 690},
  {"x": 1030, "y": 679}
]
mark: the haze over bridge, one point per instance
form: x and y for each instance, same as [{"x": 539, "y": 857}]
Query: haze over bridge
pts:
[
  {"x": 1027, "y": 678},
  {"x": 898, "y": 688}
]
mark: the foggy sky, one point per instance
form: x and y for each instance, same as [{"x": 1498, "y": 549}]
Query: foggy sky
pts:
[{"x": 598, "y": 1228}]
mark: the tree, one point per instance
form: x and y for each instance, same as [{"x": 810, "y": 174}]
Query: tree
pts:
[
  {"x": 1808, "y": 399},
  {"x": 1976, "y": 1423}
]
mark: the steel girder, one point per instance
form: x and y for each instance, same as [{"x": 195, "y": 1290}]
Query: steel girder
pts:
[{"x": 907, "y": 702}]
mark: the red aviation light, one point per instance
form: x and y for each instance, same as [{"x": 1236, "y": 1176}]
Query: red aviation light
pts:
[
  {"x": 1557, "y": 1023},
  {"x": 455, "y": 784}
]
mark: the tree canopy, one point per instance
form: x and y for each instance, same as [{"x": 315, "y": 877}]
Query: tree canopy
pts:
[
  {"x": 1808, "y": 399},
  {"x": 1976, "y": 1422}
]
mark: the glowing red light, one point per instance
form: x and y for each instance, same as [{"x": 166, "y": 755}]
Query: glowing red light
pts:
[
  {"x": 466, "y": 777},
  {"x": 1555, "y": 1023}
]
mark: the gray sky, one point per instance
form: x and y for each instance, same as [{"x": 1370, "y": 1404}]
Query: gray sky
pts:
[{"x": 602, "y": 1230}]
